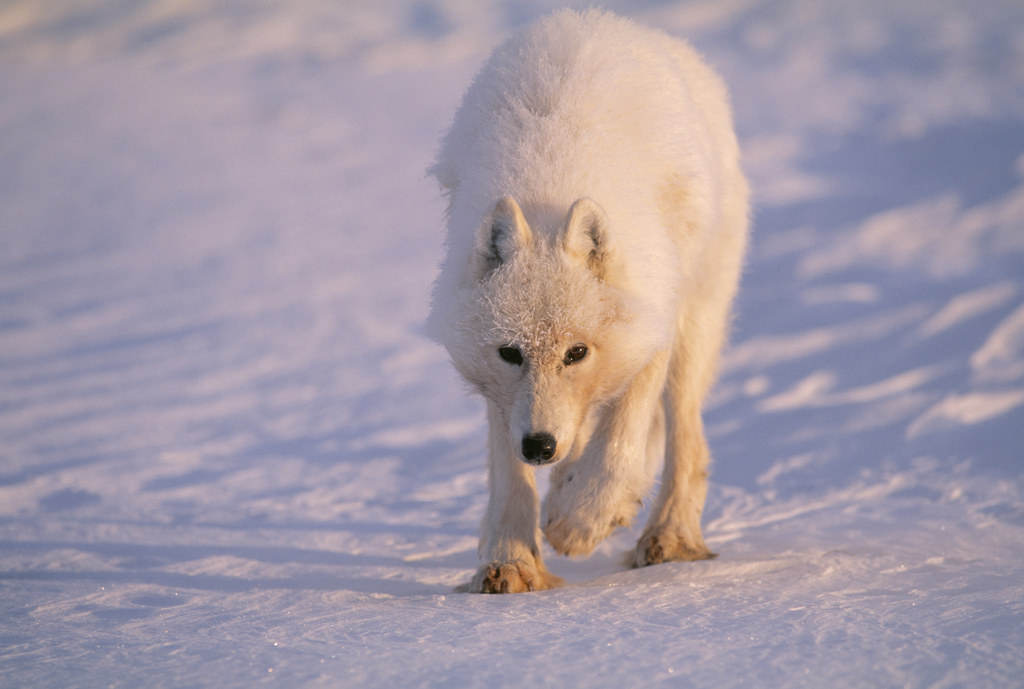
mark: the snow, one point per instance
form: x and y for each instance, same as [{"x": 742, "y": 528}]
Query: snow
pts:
[{"x": 229, "y": 457}]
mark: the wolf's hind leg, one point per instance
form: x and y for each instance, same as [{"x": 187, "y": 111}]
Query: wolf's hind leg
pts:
[{"x": 673, "y": 529}]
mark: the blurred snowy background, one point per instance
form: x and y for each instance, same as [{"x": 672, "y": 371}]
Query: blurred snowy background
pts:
[{"x": 228, "y": 457}]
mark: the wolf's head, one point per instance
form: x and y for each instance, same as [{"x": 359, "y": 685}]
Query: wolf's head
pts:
[{"x": 546, "y": 328}]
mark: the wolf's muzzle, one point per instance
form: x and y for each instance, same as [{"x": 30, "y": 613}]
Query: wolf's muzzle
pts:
[{"x": 539, "y": 448}]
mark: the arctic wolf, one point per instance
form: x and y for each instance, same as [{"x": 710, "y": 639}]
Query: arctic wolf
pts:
[{"x": 597, "y": 220}]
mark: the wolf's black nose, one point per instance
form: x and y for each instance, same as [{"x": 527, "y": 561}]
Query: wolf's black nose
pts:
[{"x": 539, "y": 447}]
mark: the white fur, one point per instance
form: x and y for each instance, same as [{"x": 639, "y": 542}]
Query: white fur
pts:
[{"x": 595, "y": 199}]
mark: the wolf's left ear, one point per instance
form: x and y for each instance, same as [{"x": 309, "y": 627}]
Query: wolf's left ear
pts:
[
  {"x": 586, "y": 236},
  {"x": 503, "y": 234}
]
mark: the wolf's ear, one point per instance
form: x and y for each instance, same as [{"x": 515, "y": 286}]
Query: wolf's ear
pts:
[
  {"x": 586, "y": 236},
  {"x": 504, "y": 234}
]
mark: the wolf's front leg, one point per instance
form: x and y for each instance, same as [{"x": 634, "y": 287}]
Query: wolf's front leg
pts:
[
  {"x": 510, "y": 536},
  {"x": 603, "y": 489}
]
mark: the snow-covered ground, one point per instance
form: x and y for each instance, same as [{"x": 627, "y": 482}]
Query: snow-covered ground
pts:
[{"x": 228, "y": 456}]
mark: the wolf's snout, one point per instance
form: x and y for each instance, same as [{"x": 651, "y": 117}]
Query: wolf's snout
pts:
[{"x": 539, "y": 447}]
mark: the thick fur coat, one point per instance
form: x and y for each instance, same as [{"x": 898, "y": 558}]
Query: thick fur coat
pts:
[{"x": 597, "y": 221}]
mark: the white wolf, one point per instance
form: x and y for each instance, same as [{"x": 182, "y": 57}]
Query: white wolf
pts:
[{"x": 597, "y": 221}]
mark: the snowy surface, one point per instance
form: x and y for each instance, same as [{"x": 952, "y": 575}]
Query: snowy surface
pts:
[{"x": 228, "y": 456}]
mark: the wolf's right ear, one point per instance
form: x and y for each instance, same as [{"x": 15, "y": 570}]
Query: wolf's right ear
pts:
[
  {"x": 504, "y": 234},
  {"x": 585, "y": 237}
]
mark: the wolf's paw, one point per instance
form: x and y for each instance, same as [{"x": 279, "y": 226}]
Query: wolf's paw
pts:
[
  {"x": 515, "y": 576},
  {"x": 583, "y": 508},
  {"x": 576, "y": 534},
  {"x": 663, "y": 545}
]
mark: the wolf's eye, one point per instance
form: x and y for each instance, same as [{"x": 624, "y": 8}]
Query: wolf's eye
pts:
[
  {"x": 575, "y": 353},
  {"x": 511, "y": 354}
]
